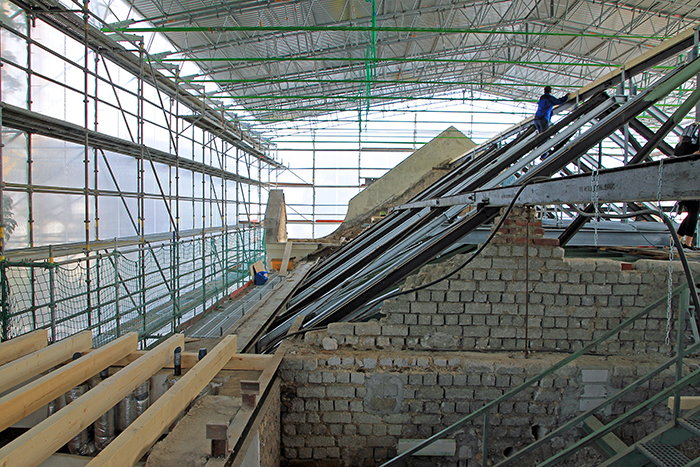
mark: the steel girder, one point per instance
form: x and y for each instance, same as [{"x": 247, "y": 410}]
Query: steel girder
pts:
[
  {"x": 38, "y": 124},
  {"x": 66, "y": 21},
  {"x": 352, "y": 281},
  {"x": 509, "y": 33}
]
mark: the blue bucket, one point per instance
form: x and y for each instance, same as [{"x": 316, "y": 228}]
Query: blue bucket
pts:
[{"x": 261, "y": 278}]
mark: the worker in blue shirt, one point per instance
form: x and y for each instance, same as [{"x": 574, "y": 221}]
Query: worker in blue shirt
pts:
[{"x": 544, "y": 108}]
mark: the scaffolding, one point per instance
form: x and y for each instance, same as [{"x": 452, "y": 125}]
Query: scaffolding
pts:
[{"x": 129, "y": 203}]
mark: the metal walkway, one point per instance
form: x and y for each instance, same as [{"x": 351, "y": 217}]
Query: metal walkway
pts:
[{"x": 218, "y": 322}]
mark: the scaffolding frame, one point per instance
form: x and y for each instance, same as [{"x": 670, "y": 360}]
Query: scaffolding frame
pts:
[{"x": 162, "y": 243}]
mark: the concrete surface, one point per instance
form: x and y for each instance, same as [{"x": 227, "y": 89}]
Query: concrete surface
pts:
[{"x": 448, "y": 146}]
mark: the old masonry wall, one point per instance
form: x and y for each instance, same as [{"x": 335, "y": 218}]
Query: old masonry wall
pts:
[{"x": 350, "y": 393}]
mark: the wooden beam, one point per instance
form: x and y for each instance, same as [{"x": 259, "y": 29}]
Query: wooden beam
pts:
[
  {"x": 240, "y": 424},
  {"x": 30, "y": 397},
  {"x": 241, "y": 361},
  {"x": 687, "y": 402},
  {"x": 23, "y": 345},
  {"x": 47, "y": 437},
  {"x": 135, "y": 441},
  {"x": 285, "y": 258},
  {"x": 29, "y": 366},
  {"x": 607, "y": 446}
]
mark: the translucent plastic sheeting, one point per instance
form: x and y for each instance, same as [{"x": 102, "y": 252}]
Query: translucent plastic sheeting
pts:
[
  {"x": 57, "y": 163},
  {"x": 14, "y": 155}
]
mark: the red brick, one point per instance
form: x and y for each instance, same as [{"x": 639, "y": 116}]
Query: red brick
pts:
[
  {"x": 627, "y": 266},
  {"x": 546, "y": 241}
]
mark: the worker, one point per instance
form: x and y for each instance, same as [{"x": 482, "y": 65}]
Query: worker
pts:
[
  {"x": 689, "y": 144},
  {"x": 686, "y": 231},
  {"x": 544, "y": 108}
]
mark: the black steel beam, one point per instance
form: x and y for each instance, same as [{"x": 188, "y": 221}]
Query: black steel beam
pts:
[
  {"x": 38, "y": 124},
  {"x": 64, "y": 20}
]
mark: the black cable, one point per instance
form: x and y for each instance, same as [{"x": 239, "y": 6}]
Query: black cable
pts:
[
  {"x": 665, "y": 218},
  {"x": 470, "y": 259},
  {"x": 446, "y": 276}
]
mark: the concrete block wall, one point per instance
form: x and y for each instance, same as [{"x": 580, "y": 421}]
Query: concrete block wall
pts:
[
  {"x": 351, "y": 392},
  {"x": 518, "y": 295},
  {"x": 270, "y": 429},
  {"x": 350, "y": 408}
]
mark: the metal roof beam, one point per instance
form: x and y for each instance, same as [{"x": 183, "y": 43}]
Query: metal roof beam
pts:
[{"x": 39, "y": 124}]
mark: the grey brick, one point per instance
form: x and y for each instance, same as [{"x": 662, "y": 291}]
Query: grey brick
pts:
[
  {"x": 458, "y": 393},
  {"x": 341, "y": 329},
  {"x": 334, "y": 360},
  {"x": 477, "y": 308},
  {"x": 423, "y": 307},
  {"x": 320, "y": 441},
  {"x": 422, "y": 419},
  {"x": 461, "y": 285},
  {"x": 364, "y": 418},
  {"x": 311, "y": 392},
  {"x": 369, "y": 363},
  {"x": 430, "y": 392},
  {"x": 393, "y": 318},
  {"x": 328, "y": 377},
  {"x": 492, "y": 286},
  {"x": 410, "y": 319},
  {"x": 572, "y": 289},
  {"x": 422, "y": 362},
  {"x": 394, "y": 330},
  {"x": 386, "y": 361},
  {"x": 342, "y": 378},
  {"x": 625, "y": 289},
  {"x": 371, "y": 328},
  {"x": 475, "y": 331},
  {"x": 336, "y": 417},
  {"x": 423, "y": 296},
  {"x": 450, "y": 307}
]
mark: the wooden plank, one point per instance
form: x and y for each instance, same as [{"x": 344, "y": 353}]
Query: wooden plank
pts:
[
  {"x": 47, "y": 437},
  {"x": 254, "y": 429},
  {"x": 285, "y": 258},
  {"x": 135, "y": 441},
  {"x": 23, "y": 345},
  {"x": 687, "y": 402},
  {"x": 30, "y": 397},
  {"x": 29, "y": 366},
  {"x": 241, "y": 361},
  {"x": 237, "y": 427},
  {"x": 665, "y": 45},
  {"x": 607, "y": 446}
]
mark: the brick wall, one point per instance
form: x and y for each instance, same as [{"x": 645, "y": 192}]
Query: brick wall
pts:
[
  {"x": 512, "y": 296},
  {"x": 350, "y": 393},
  {"x": 350, "y": 408},
  {"x": 269, "y": 430}
]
